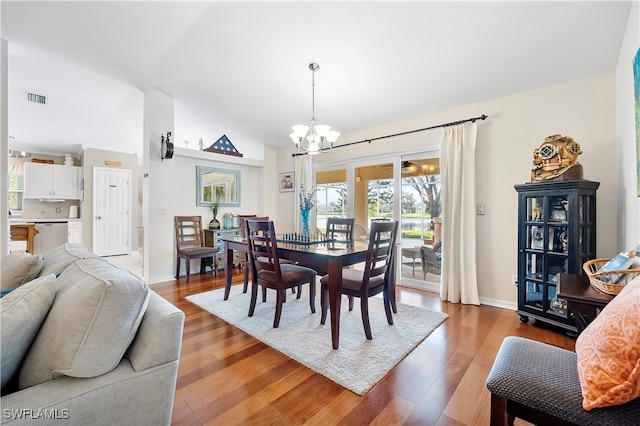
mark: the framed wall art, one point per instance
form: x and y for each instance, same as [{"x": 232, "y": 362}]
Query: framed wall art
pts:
[{"x": 287, "y": 182}]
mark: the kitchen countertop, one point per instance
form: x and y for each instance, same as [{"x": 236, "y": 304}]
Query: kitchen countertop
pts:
[{"x": 41, "y": 220}]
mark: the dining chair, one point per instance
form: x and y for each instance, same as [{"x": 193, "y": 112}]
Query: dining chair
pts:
[
  {"x": 243, "y": 232},
  {"x": 270, "y": 273},
  {"x": 375, "y": 277},
  {"x": 431, "y": 261},
  {"x": 190, "y": 244},
  {"x": 340, "y": 228}
]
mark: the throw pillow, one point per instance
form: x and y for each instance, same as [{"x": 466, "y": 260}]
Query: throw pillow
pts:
[
  {"x": 93, "y": 319},
  {"x": 609, "y": 352},
  {"x": 21, "y": 314},
  {"x": 19, "y": 268},
  {"x": 63, "y": 256}
]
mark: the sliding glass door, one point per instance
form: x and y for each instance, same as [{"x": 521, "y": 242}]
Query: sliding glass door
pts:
[{"x": 421, "y": 221}]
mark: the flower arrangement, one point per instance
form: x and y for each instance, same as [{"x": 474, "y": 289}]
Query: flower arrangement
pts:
[{"x": 307, "y": 199}]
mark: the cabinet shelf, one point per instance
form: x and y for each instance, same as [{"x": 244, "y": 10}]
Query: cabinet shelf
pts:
[{"x": 556, "y": 234}]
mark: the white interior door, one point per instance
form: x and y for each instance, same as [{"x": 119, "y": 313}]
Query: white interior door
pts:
[{"x": 111, "y": 211}]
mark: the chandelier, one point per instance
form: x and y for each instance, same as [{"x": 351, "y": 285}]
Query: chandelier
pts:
[{"x": 321, "y": 138}]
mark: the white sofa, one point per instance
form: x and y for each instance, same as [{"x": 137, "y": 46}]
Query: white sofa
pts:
[{"x": 87, "y": 343}]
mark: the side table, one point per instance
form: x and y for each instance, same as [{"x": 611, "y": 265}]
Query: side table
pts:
[{"x": 583, "y": 300}]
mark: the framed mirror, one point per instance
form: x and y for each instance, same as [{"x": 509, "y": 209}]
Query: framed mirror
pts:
[{"x": 220, "y": 184}]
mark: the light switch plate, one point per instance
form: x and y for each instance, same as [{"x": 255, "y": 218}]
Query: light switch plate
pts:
[{"x": 480, "y": 209}]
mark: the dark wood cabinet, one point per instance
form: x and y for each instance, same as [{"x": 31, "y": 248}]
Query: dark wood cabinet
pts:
[{"x": 556, "y": 234}]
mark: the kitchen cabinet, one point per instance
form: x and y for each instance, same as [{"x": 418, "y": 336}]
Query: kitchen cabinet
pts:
[
  {"x": 556, "y": 235},
  {"x": 74, "y": 231},
  {"x": 51, "y": 181}
]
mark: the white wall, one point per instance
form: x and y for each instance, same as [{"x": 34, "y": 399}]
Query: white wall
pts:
[
  {"x": 628, "y": 200},
  {"x": 517, "y": 124}
]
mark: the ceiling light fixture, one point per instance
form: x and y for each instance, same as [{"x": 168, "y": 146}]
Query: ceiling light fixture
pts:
[{"x": 321, "y": 138}]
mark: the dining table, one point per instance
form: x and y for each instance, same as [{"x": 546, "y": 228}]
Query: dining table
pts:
[{"x": 324, "y": 257}]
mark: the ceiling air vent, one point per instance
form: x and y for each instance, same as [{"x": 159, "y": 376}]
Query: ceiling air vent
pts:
[{"x": 34, "y": 97}]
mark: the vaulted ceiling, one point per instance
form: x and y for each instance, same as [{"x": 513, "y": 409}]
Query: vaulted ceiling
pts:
[{"x": 241, "y": 68}]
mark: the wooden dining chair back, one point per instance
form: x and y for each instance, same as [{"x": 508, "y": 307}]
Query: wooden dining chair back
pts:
[
  {"x": 190, "y": 244},
  {"x": 243, "y": 231},
  {"x": 340, "y": 228},
  {"x": 375, "y": 277},
  {"x": 270, "y": 273}
]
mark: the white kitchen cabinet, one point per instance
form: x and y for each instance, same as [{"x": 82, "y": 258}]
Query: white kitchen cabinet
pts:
[
  {"x": 51, "y": 181},
  {"x": 74, "y": 231}
]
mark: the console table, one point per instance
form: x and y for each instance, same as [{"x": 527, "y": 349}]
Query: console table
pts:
[{"x": 583, "y": 300}]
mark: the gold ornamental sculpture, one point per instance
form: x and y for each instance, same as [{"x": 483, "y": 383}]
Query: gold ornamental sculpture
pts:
[{"x": 557, "y": 159}]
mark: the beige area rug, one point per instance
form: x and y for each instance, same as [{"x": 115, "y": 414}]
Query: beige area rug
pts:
[{"x": 358, "y": 364}]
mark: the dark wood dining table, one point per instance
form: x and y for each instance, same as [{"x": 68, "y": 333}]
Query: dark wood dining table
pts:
[{"x": 325, "y": 258}]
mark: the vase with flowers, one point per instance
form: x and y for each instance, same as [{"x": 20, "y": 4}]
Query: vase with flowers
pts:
[{"x": 307, "y": 201}]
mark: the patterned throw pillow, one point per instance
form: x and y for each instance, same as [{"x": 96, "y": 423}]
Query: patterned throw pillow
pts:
[{"x": 609, "y": 352}]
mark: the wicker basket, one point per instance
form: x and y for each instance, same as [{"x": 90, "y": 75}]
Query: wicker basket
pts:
[{"x": 599, "y": 280}]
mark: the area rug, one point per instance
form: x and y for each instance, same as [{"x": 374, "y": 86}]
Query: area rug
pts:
[{"x": 358, "y": 364}]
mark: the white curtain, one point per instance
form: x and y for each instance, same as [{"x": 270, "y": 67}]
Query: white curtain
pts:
[
  {"x": 303, "y": 176},
  {"x": 459, "y": 281}
]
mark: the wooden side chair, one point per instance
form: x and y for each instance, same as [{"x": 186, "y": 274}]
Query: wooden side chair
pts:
[
  {"x": 190, "y": 244},
  {"x": 243, "y": 232},
  {"x": 268, "y": 272},
  {"x": 375, "y": 277},
  {"x": 340, "y": 229}
]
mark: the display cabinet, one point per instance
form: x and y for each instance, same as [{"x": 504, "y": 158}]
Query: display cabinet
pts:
[
  {"x": 212, "y": 238},
  {"x": 556, "y": 234}
]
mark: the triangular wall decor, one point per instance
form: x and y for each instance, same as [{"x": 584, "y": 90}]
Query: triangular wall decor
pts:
[{"x": 224, "y": 146}]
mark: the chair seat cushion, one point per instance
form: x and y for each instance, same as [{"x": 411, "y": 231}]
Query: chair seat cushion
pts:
[
  {"x": 545, "y": 378},
  {"x": 290, "y": 273},
  {"x": 94, "y": 317},
  {"x": 198, "y": 251},
  {"x": 352, "y": 279}
]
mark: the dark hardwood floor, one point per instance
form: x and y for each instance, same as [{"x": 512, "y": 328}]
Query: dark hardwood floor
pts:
[{"x": 228, "y": 377}]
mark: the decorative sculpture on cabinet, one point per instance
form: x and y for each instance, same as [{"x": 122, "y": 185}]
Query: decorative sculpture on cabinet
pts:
[{"x": 556, "y": 159}]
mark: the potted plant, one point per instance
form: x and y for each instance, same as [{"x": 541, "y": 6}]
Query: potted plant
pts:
[{"x": 215, "y": 224}]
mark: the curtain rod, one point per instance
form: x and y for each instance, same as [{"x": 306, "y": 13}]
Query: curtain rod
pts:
[{"x": 453, "y": 123}]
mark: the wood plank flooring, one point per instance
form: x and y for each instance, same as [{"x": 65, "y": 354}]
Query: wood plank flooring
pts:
[{"x": 227, "y": 377}]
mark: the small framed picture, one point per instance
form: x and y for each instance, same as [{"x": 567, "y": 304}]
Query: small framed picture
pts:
[{"x": 287, "y": 181}]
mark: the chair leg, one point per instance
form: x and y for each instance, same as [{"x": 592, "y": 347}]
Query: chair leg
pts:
[
  {"x": 246, "y": 273},
  {"x": 280, "y": 296},
  {"x": 299, "y": 292},
  {"x": 254, "y": 297},
  {"x": 312, "y": 294},
  {"x": 387, "y": 306},
  {"x": 324, "y": 303},
  {"x": 188, "y": 262},
  {"x": 364, "y": 308},
  {"x": 215, "y": 264},
  {"x": 350, "y": 302},
  {"x": 264, "y": 294},
  {"x": 177, "y": 267},
  {"x": 499, "y": 416}
]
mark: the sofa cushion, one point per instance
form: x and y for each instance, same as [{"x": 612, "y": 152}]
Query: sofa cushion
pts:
[
  {"x": 63, "y": 256},
  {"x": 19, "y": 268},
  {"x": 93, "y": 319},
  {"x": 21, "y": 314},
  {"x": 609, "y": 352}
]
